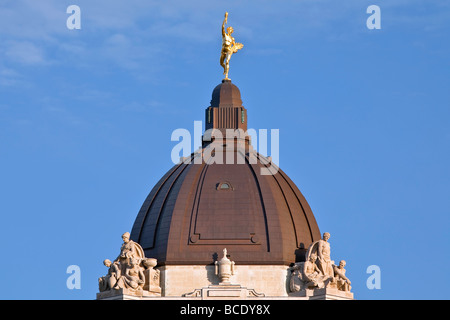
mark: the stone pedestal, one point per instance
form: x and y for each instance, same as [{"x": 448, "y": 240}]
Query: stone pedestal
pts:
[
  {"x": 152, "y": 281},
  {"x": 326, "y": 294},
  {"x": 126, "y": 294},
  {"x": 224, "y": 291}
]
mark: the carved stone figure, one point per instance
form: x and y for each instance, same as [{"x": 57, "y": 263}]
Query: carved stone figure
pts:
[
  {"x": 307, "y": 275},
  {"x": 312, "y": 274},
  {"x": 324, "y": 256},
  {"x": 109, "y": 281},
  {"x": 134, "y": 275},
  {"x": 224, "y": 268},
  {"x": 342, "y": 282},
  {"x": 129, "y": 249}
]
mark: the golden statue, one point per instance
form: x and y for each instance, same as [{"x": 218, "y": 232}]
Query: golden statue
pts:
[{"x": 228, "y": 47}]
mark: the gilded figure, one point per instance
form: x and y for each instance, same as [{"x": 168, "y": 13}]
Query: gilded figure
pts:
[{"x": 229, "y": 46}]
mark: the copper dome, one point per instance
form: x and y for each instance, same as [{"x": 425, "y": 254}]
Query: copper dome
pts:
[
  {"x": 226, "y": 94},
  {"x": 198, "y": 209}
]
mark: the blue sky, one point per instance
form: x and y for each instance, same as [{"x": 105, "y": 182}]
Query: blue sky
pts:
[{"x": 86, "y": 118}]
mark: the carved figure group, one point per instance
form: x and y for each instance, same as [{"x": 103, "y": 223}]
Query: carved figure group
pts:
[
  {"x": 319, "y": 271},
  {"x": 131, "y": 270},
  {"x": 133, "y": 273}
]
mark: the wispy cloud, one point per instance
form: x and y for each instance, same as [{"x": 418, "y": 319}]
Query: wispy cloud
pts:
[
  {"x": 129, "y": 34},
  {"x": 9, "y": 77},
  {"x": 25, "y": 52}
]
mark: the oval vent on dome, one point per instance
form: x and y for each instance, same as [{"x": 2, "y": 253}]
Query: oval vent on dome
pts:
[{"x": 224, "y": 186}]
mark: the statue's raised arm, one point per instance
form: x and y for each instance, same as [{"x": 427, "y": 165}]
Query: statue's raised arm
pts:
[{"x": 225, "y": 21}]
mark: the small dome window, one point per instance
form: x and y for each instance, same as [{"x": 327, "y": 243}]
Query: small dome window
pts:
[{"x": 224, "y": 186}]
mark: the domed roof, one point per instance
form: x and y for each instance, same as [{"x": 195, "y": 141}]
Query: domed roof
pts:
[
  {"x": 198, "y": 208},
  {"x": 225, "y": 95}
]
